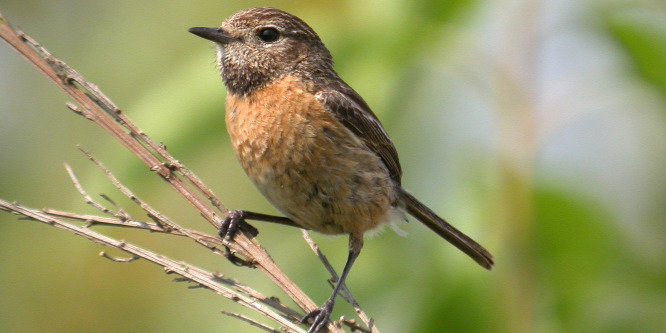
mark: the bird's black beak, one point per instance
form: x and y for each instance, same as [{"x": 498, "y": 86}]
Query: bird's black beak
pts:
[{"x": 214, "y": 34}]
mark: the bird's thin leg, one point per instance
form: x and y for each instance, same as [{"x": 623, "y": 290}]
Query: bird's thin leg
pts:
[
  {"x": 235, "y": 221},
  {"x": 322, "y": 314}
]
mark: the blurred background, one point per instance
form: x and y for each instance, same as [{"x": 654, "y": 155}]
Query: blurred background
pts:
[{"x": 536, "y": 127}]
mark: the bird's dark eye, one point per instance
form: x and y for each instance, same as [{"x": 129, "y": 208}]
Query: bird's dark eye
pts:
[{"x": 269, "y": 35}]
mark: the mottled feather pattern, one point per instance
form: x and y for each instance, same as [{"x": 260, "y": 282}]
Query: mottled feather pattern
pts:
[
  {"x": 350, "y": 109},
  {"x": 309, "y": 166}
]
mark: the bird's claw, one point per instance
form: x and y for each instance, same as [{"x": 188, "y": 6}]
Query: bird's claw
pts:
[
  {"x": 234, "y": 222},
  {"x": 319, "y": 317},
  {"x": 231, "y": 224}
]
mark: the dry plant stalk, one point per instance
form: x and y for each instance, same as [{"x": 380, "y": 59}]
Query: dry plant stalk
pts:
[{"x": 92, "y": 104}]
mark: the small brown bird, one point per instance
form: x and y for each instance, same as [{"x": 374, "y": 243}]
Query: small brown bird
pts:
[{"x": 308, "y": 141}]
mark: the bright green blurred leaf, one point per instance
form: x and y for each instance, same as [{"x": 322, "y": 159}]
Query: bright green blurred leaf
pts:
[{"x": 643, "y": 35}]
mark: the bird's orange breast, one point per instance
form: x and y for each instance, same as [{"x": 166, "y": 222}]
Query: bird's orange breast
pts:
[{"x": 305, "y": 162}]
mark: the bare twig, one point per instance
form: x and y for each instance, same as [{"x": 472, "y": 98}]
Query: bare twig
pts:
[
  {"x": 187, "y": 271},
  {"x": 351, "y": 323},
  {"x": 250, "y": 321},
  {"x": 158, "y": 217},
  {"x": 272, "y": 302},
  {"x": 89, "y": 200},
  {"x": 92, "y": 220}
]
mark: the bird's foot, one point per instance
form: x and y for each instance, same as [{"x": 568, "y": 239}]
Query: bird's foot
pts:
[
  {"x": 319, "y": 317},
  {"x": 234, "y": 222}
]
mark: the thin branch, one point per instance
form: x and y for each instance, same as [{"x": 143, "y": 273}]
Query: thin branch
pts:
[
  {"x": 273, "y": 302},
  {"x": 92, "y": 220},
  {"x": 251, "y": 321},
  {"x": 100, "y": 220},
  {"x": 158, "y": 217},
  {"x": 351, "y": 323},
  {"x": 195, "y": 274},
  {"x": 89, "y": 200}
]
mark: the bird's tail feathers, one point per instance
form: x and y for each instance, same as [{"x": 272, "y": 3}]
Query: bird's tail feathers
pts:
[{"x": 424, "y": 214}]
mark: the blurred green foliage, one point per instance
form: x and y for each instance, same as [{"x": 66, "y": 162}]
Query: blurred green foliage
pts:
[
  {"x": 537, "y": 127},
  {"x": 643, "y": 36}
]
